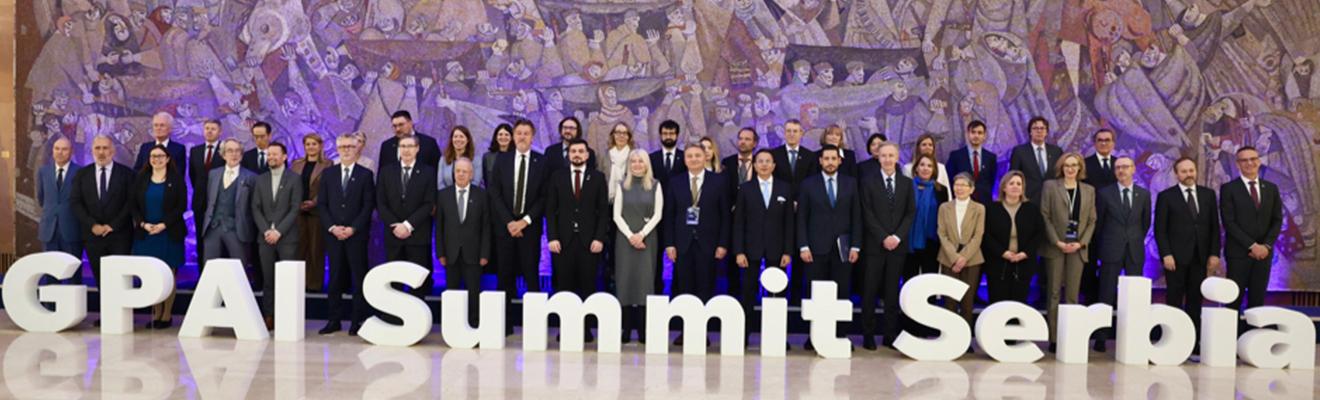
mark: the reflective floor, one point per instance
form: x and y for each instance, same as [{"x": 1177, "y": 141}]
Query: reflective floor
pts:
[{"x": 158, "y": 364}]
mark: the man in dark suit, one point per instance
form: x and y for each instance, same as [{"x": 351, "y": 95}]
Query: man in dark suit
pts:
[
  {"x": 556, "y": 155},
  {"x": 1036, "y": 158},
  {"x": 275, "y": 211},
  {"x": 462, "y": 234},
  {"x": 829, "y": 225},
  {"x": 762, "y": 229},
  {"x": 405, "y": 197},
  {"x": 202, "y": 159},
  {"x": 428, "y": 150},
  {"x": 518, "y": 200},
  {"x": 58, "y": 229},
  {"x": 162, "y": 125},
  {"x": 739, "y": 169},
  {"x": 1099, "y": 174},
  {"x": 665, "y": 164},
  {"x": 227, "y": 226},
  {"x": 347, "y": 198},
  {"x": 255, "y": 159},
  {"x": 976, "y": 161},
  {"x": 793, "y": 164},
  {"x": 578, "y": 215},
  {"x": 1187, "y": 233},
  {"x": 698, "y": 224},
  {"x": 1123, "y": 220},
  {"x": 888, "y": 206},
  {"x": 1252, "y": 213},
  {"x": 101, "y": 202}
]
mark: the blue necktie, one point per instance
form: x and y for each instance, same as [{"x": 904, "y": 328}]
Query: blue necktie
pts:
[
  {"x": 829, "y": 189},
  {"x": 765, "y": 193}
]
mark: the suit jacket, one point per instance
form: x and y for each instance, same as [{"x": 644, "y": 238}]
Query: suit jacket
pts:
[
  {"x": 464, "y": 242},
  {"x": 730, "y": 165},
  {"x": 279, "y": 210},
  {"x": 663, "y": 174},
  {"x": 414, "y": 204},
  {"x": 1245, "y": 223},
  {"x": 1099, "y": 177},
  {"x": 820, "y": 226},
  {"x": 174, "y": 204},
  {"x": 1189, "y": 239},
  {"x": 998, "y": 226},
  {"x": 352, "y": 207},
  {"x": 1023, "y": 159},
  {"x": 555, "y": 161},
  {"x": 250, "y": 162},
  {"x": 1122, "y": 230},
  {"x": 314, "y": 183},
  {"x": 113, "y": 210},
  {"x": 808, "y": 165},
  {"x": 1054, "y": 208},
  {"x": 960, "y": 161},
  {"x": 428, "y": 152},
  {"x": 714, "y": 223},
  {"x": 178, "y": 154},
  {"x": 882, "y": 217},
  {"x": 968, "y": 245},
  {"x": 585, "y": 218},
  {"x": 759, "y": 231},
  {"x": 58, "y": 222},
  {"x": 198, "y": 174},
  {"x": 848, "y": 166},
  {"x": 502, "y": 190},
  {"x": 242, "y": 204}
]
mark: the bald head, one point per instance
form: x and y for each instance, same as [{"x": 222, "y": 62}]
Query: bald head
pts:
[
  {"x": 61, "y": 151},
  {"x": 462, "y": 172}
]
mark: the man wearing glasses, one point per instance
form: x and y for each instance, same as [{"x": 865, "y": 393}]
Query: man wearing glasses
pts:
[
  {"x": 1252, "y": 215},
  {"x": 1099, "y": 174},
  {"x": 428, "y": 150},
  {"x": 347, "y": 198}
]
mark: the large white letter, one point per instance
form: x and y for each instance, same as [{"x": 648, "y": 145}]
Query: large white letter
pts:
[
  {"x": 290, "y": 301},
  {"x": 1219, "y": 325},
  {"x": 119, "y": 298},
  {"x": 223, "y": 370},
  {"x": 1136, "y": 317},
  {"x": 414, "y": 312},
  {"x": 955, "y": 335},
  {"x": 45, "y": 365},
  {"x": 774, "y": 314},
  {"x": 1076, "y": 324},
  {"x": 23, "y": 298},
  {"x": 824, "y": 310},
  {"x": 223, "y": 299},
  {"x": 454, "y": 320},
  {"x": 993, "y": 328},
  {"x": 1294, "y": 339},
  {"x": 659, "y": 310},
  {"x": 572, "y": 320}
]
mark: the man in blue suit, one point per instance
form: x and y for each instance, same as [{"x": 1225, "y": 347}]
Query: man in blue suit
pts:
[
  {"x": 976, "y": 161},
  {"x": 162, "y": 124},
  {"x": 829, "y": 225},
  {"x": 58, "y": 229},
  {"x": 227, "y": 227},
  {"x": 347, "y": 198},
  {"x": 697, "y": 223}
]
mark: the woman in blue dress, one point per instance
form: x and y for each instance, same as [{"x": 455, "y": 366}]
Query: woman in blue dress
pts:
[{"x": 159, "y": 200}]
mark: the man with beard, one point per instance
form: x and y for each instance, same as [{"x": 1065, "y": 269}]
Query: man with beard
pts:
[
  {"x": 1187, "y": 234},
  {"x": 556, "y": 155},
  {"x": 428, "y": 151},
  {"x": 665, "y": 163},
  {"x": 517, "y": 194},
  {"x": 829, "y": 226},
  {"x": 740, "y": 165},
  {"x": 578, "y": 217}
]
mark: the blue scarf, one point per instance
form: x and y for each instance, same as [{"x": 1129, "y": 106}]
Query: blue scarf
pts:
[{"x": 924, "y": 225}]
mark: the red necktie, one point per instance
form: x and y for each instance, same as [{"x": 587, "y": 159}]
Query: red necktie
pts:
[
  {"x": 207, "y": 165},
  {"x": 1255, "y": 195},
  {"x": 577, "y": 184},
  {"x": 976, "y": 164}
]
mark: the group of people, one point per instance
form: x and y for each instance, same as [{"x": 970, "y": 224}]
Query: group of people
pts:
[{"x": 611, "y": 218}]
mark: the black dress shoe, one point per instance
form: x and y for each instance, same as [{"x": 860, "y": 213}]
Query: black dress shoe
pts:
[
  {"x": 164, "y": 324},
  {"x": 330, "y": 327},
  {"x": 587, "y": 337},
  {"x": 868, "y": 343},
  {"x": 149, "y": 325},
  {"x": 1098, "y": 346},
  {"x": 808, "y": 345},
  {"x": 353, "y": 329},
  {"x": 627, "y": 338},
  {"x": 1053, "y": 347},
  {"x": 96, "y": 323},
  {"x": 678, "y": 341}
]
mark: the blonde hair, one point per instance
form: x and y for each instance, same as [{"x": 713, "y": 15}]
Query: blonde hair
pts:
[
  {"x": 1081, "y": 165},
  {"x": 1003, "y": 183},
  {"x": 835, "y": 129},
  {"x": 713, "y": 156},
  {"x": 648, "y": 177}
]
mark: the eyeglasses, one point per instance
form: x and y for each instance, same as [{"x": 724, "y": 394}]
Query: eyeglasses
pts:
[
  {"x": 156, "y": 156},
  {"x": 1249, "y": 160}
]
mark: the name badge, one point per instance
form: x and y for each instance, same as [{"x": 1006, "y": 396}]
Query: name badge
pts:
[{"x": 693, "y": 216}]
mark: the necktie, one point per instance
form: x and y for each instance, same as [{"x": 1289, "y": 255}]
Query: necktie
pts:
[
  {"x": 407, "y": 173},
  {"x": 104, "y": 185},
  {"x": 462, "y": 205},
  {"x": 1104, "y": 163},
  {"x": 518, "y": 184},
  {"x": 261, "y": 159},
  {"x": 889, "y": 187},
  {"x": 976, "y": 164},
  {"x": 343, "y": 180},
  {"x": 696, "y": 191},
  {"x": 792, "y": 160},
  {"x": 1040, "y": 159},
  {"x": 1255, "y": 194},
  {"x": 669, "y": 161},
  {"x": 59, "y": 179},
  {"x": 577, "y": 184},
  {"x": 744, "y": 169},
  {"x": 207, "y": 164},
  {"x": 1127, "y": 198},
  {"x": 829, "y": 189},
  {"x": 1191, "y": 203},
  {"x": 765, "y": 193},
  {"x": 229, "y": 178}
]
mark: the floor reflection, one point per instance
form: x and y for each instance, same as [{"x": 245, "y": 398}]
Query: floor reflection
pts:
[{"x": 152, "y": 365}]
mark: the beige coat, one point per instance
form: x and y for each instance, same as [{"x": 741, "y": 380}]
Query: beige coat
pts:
[
  {"x": 1054, "y": 209},
  {"x": 973, "y": 229}
]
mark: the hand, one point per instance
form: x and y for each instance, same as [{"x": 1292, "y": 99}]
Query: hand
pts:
[
  {"x": 444, "y": 262},
  {"x": 1259, "y": 251},
  {"x": 272, "y": 236},
  {"x": 400, "y": 231},
  {"x": 1074, "y": 247},
  {"x": 638, "y": 241},
  {"x": 652, "y": 36},
  {"x": 853, "y": 256},
  {"x": 98, "y": 229},
  {"x": 805, "y": 255},
  {"x": 307, "y": 205},
  {"x": 672, "y": 253},
  {"x": 1009, "y": 256},
  {"x": 483, "y": 262},
  {"x": 1212, "y": 266},
  {"x": 720, "y": 252},
  {"x": 597, "y": 247},
  {"x": 741, "y": 260},
  {"x": 513, "y": 228},
  {"x": 1169, "y": 264},
  {"x": 1020, "y": 257},
  {"x": 348, "y": 231},
  {"x": 959, "y": 263},
  {"x": 784, "y": 260},
  {"x": 891, "y": 243},
  {"x": 554, "y": 246}
]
